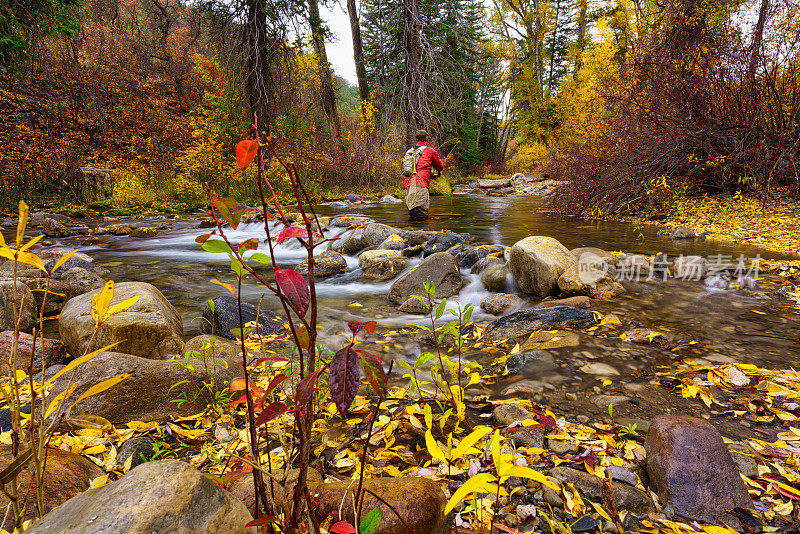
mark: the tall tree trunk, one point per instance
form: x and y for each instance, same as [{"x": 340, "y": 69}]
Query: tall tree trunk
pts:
[
  {"x": 358, "y": 52},
  {"x": 551, "y": 75},
  {"x": 539, "y": 28},
  {"x": 412, "y": 80},
  {"x": 580, "y": 43},
  {"x": 755, "y": 47},
  {"x": 325, "y": 76},
  {"x": 258, "y": 85}
]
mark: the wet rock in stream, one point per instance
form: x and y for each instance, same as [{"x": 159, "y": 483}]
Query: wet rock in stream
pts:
[
  {"x": 537, "y": 262},
  {"x": 500, "y": 303},
  {"x": 440, "y": 268},
  {"x": 524, "y": 322},
  {"x": 225, "y": 317}
]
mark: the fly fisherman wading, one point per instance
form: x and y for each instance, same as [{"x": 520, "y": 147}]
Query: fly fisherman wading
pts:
[{"x": 418, "y": 164}]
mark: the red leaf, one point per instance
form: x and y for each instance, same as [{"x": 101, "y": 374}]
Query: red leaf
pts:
[
  {"x": 202, "y": 238},
  {"x": 240, "y": 400},
  {"x": 303, "y": 337},
  {"x": 304, "y": 390},
  {"x": 356, "y": 327},
  {"x": 294, "y": 286},
  {"x": 271, "y": 412},
  {"x": 261, "y": 521},
  {"x": 295, "y": 231},
  {"x": 229, "y": 209},
  {"x": 250, "y": 244},
  {"x": 237, "y": 385},
  {"x": 344, "y": 378},
  {"x": 373, "y": 371},
  {"x": 343, "y": 527},
  {"x": 275, "y": 382},
  {"x": 245, "y": 152}
]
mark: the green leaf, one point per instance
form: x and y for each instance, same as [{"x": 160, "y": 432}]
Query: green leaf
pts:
[
  {"x": 404, "y": 364},
  {"x": 424, "y": 358},
  {"x": 216, "y": 246},
  {"x": 440, "y": 309},
  {"x": 238, "y": 268},
  {"x": 467, "y": 313},
  {"x": 370, "y": 522},
  {"x": 260, "y": 257}
]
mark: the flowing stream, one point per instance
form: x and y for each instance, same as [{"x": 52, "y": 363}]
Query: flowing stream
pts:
[{"x": 748, "y": 327}]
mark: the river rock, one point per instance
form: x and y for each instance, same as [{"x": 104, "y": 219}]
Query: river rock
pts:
[
  {"x": 393, "y": 242},
  {"x": 161, "y": 496},
  {"x": 54, "y": 352},
  {"x": 472, "y": 255},
  {"x": 524, "y": 322},
  {"x": 148, "y": 393},
  {"x": 443, "y": 241},
  {"x": 691, "y": 470},
  {"x": 530, "y": 363},
  {"x": 690, "y": 267},
  {"x": 582, "y": 302},
  {"x": 484, "y": 263},
  {"x": 38, "y": 218},
  {"x": 608, "y": 257},
  {"x": 24, "y": 298},
  {"x": 328, "y": 263},
  {"x": 537, "y": 262},
  {"x": 151, "y": 327},
  {"x": 419, "y": 501},
  {"x": 415, "y": 306},
  {"x": 626, "y": 497},
  {"x": 382, "y": 264},
  {"x": 347, "y": 221},
  {"x": 370, "y": 235},
  {"x": 225, "y": 317},
  {"x": 507, "y": 414},
  {"x": 590, "y": 282},
  {"x": 500, "y": 303},
  {"x": 418, "y": 237},
  {"x": 58, "y": 252},
  {"x": 495, "y": 278},
  {"x": 53, "y": 228},
  {"x": 146, "y": 231},
  {"x": 66, "y": 475},
  {"x": 440, "y": 268},
  {"x": 683, "y": 233},
  {"x": 600, "y": 369},
  {"x": 633, "y": 267},
  {"x": 389, "y": 199},
  {"x": 243, "y": 488}
]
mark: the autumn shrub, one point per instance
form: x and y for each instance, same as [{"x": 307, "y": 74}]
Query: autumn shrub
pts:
[{"x": 687, "y": 110}]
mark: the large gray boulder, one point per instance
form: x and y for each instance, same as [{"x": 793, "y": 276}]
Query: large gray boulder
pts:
[
  {"x": 595, "y": 283},
  {"x": 162, "y": 496},
  {"x": 66, "y": 475},
  {"x": 370, "y": 235},
  {"x": 328, "y": 263},
  {"x": 382, "y": 264},
  {"x": 153, "y": 389},
  {"x": 440, "y": 268},
  {"x": 21, "y": 294},
  {"x": 537, "y": 262},
  {"x": 150, "y": 328}
]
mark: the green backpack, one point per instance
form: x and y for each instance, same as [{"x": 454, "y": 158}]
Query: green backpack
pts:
[{"x": 410, "y": 160}]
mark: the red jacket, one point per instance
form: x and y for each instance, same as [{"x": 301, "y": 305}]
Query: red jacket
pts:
[{"x": 429, "y": 158}]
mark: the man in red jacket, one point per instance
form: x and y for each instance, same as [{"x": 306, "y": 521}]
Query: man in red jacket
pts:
[{"x": 416, "y": 186}]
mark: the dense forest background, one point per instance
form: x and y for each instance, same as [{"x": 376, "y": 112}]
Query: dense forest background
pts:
[{"x": 634, "y": 101}]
